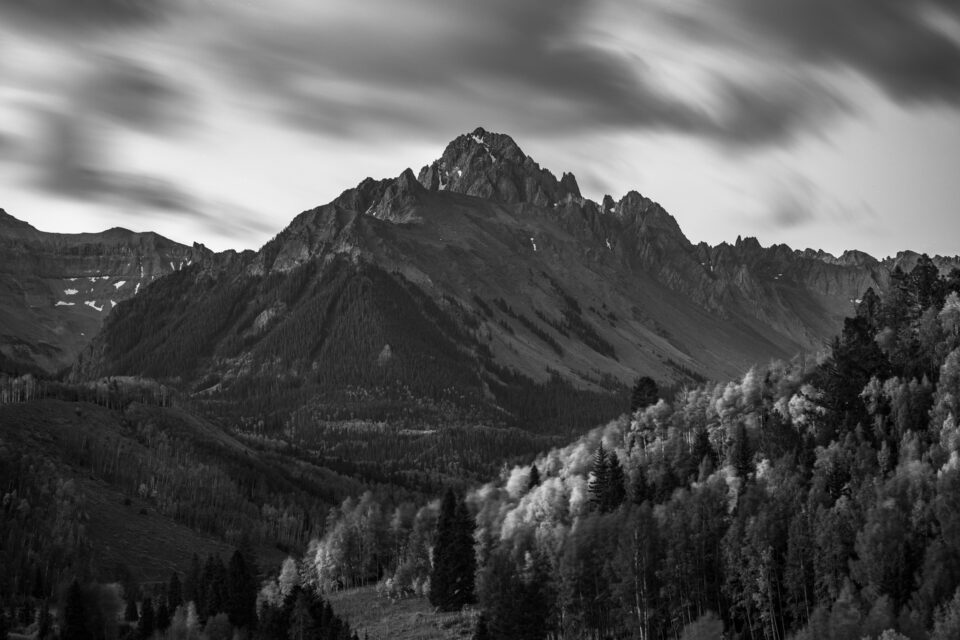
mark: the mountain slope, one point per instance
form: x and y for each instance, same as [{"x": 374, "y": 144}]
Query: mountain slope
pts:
[
  {"x": 56, "y": 289},
  {"x": 454, "y": 294}
]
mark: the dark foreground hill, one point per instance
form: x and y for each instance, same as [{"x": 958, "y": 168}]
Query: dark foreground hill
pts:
[{"x": 88, "y": 487}]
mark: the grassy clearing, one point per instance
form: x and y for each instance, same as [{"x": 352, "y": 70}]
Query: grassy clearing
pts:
[
  {"x": 150, "y": 544},
  {"x": 409, "y": 619}
]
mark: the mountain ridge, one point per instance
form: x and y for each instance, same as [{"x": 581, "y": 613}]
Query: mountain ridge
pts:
[
  {"x": 56, "y": 288},
  {"x": 484, "y": 269},
  {"x": 510, "y": 268}
]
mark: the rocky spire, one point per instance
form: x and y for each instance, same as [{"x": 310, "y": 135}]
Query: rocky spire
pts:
[{"x": 492, "y": 166}]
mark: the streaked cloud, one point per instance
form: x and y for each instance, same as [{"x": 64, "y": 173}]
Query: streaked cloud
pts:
[{"x": 176, "y": 108}]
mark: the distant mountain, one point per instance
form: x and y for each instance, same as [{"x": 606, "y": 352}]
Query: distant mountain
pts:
[
  {"x": 56, "y": 288},
  {"x": 476, "y": 290}
]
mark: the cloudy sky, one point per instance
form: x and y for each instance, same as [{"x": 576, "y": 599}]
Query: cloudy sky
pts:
[{"x": 812, "y": 122}]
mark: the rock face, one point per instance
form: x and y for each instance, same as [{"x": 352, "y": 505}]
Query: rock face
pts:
[
  {"x": 56, "y": 289},
  {"x": 544, "y": 281},
  {"x": 491, "y": 166}
]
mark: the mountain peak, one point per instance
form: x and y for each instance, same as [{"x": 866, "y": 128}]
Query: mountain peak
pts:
[{"x": 492, "y": 166}]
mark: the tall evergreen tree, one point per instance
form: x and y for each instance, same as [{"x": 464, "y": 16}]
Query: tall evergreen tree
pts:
[
  {"x": 616, "y": 490},
  {"x": 174, "y": 592},
  {"x": 273, "y": 625},
  {"x": 516, "y": 597},
  {"x": 44, "y": 621},
  {"x": 130, "y": 613},
  {"x": 702, "y": 448},
  {"x": 241, "y": 593},
  {"x": 147, "y": 624},
  {"x": 466, "y": 560},
  {"x": 454, "y": 561},
  {"x": 645, "y": 393},
  {"x": 192, "y": 590},
  {"x": 39, "y": 590},
  {"x": 444, "y": 560},
  {"x": 534, "y": 477},
  {"x": 214, "y": 583},
  {"x": 869, "y": 308},
  {"x": 599, "y": 481},
  {"x": 302, "y": 622},
  {"x": 162, "y": 619},
  {"x": 928, "y": 289},
  {"x": 74, "y": 625}
]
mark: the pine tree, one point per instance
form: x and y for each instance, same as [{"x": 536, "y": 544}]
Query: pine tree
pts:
[
  {"x": 44, "y": 622},
  {"x": 927, "y": 287},
  {"x": 214, "y": 583},
  {"x": 534, "y": 478},
  {"x": 302, "y": 622},
  {"x": 645, "y": 393},
  {"x": 465, "y": 568},
  {"x": 273, "y": 625},
  {"x": 146, "y": 626},
  {"x": 174, "y": 592},
  {"x": 702, "y": 448},
  {"x": 870, "y": 307},
  {"x": 74, "y": 625},
  {"x": 192, "y": 591},
  {"x": 616, "y": 490},
  {"x": 241, "y": 593},
  {"x": 442, "y": 577},
  {"x": 163, "y": 617},
  {"x": 39, "y": 590},
  {"x": 600, "y": 480},
  {"x": 741, "y": 453},
  {"x": 130, "y": 614}
]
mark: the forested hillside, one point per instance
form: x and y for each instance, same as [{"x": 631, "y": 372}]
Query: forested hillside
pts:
[
  {"x": 328, "y": 341},
  {"x": 805, "y": 500},
  {"x": 86, "y": 487},
  {"x": 349, "y": 365}
]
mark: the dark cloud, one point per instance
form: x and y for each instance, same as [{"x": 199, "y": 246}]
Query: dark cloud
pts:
[
  {"x": 74, "y": 166},
  {"x": 894, "y": 43},
  {"x": 69, "y": 15},
  {"x": 516, "y": 66},
  {"x": 796, "y": 201},
  {"x": 135, "y": 96},
  {"x": 358, "y": 70},
  {"x": 773, "y": 111},
  {"x": 74, "y": 153},
  {"x": 794, "y": 204}
]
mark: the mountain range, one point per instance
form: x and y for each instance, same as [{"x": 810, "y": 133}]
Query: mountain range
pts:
[
  {"x": 56, "y": 288},
  {"x": 457, "y": 293}
]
